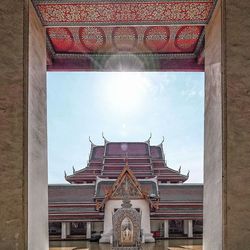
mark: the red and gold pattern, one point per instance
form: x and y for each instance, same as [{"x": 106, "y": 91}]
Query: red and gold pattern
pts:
[
  {"x": 156, "y": 37},
  {"x": 62, "y": 38},
  {"x": 120, "y": 12},
  {"x": 137, "y": 39},
  {"x": 92, "y": 38},
  {"x": 186, "y": 38},
  {"x": 124, "y": 38},
  {"x": 83, "y": 33}
]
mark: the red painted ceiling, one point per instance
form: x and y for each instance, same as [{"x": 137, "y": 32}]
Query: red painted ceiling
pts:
[
  {"x": 162, "y": 35},
  {"x": 136, "y": 39}
]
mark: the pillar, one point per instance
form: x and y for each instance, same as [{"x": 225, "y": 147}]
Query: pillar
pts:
[
  {"x": 190, "y": 229},
  {"x": 142, "y": 237},
  {"x": 227, "y": 133},
  {"x": 185, "y": 227},
  {"x": 166, "y": 228},
  {"x": 23, "y": 136},
  {"x": 63, "y": 230},
  {"x": 213, "y": 136},
  {"x": 88, "y": 233},
  {"x": 68, "y": 228}
]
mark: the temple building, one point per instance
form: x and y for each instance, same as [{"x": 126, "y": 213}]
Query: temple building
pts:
[{"x": 84, "y": 208}]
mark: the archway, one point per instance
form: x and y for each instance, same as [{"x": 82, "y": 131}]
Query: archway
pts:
[{"x": 23, "y": 127}]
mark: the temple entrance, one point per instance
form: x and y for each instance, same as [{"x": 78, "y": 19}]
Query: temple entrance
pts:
[
  {"x": 129, "y": 205},
  {"x": 23, "y": 102}
]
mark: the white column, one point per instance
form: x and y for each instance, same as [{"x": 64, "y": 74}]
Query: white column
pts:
[
  {"x": 185, "y": 226},
  {"x": 143, "y": 239},
  {"x": 63, "y": 231},
  {"x": 88, "y": 233},
  {"x": 166, "y": 228},
  {"x": 190, "y": 229},
  {"x": 68, "y": 228}
]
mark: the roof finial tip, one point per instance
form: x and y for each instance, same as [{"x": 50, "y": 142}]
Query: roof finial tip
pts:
[
  {"x": 150, "y": 136},
  {"x": 163, "y": 139},
  {"x": 92, "y": 144},
  {"x": 105, "y": 140}
]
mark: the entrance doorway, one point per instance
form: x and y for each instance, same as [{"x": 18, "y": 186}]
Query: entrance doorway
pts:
[{"x": 23, "y": 127}]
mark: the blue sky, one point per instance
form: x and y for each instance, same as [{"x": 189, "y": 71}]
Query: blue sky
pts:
[{"x": 126, "y": 107}]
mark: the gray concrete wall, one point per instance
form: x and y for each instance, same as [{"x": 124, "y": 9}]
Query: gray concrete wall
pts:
[
  {"x": 236, "y": 123},
  {"x": 13, "y": 156},
  {"x": 227, "y": 129},
  {"x": 23, "y": 164}
]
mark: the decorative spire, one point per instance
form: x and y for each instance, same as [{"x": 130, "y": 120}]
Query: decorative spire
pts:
[
  {"x": 73, "y": 168},
  {"x": 161, "y": 145},
  {"x": 179, "y": 169},
  {"x": 188, "y": 174},
  {"x": 92, "y": 144},
  {"x": 65, "y": 174},
  {"x": 105, "y": 140},
  {"x": 148, "y": 140},
  {"x": 163, "y": 139}
]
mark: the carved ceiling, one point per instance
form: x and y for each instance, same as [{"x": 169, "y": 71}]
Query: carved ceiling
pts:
[{"x": 110, "y": 35}]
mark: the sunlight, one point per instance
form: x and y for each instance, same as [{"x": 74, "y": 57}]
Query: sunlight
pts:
[{"x": 126, "y": 91}]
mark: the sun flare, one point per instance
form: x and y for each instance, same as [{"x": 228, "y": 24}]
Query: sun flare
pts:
[{"x": 126, "y": 92}]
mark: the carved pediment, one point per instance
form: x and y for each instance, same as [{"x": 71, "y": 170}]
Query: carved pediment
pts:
[{"x": 127, "y": 187}]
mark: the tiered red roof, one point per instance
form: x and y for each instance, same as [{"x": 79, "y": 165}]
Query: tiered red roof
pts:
[
  {"x": 72, "y": 202},
  {"x": 144, "y": 160}
]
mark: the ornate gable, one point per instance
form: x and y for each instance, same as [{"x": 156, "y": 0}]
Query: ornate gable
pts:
[{"x": 126, "y": 185}]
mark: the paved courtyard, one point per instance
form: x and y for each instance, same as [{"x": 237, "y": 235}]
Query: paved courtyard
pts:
[{"x": 159, "y": 245}]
